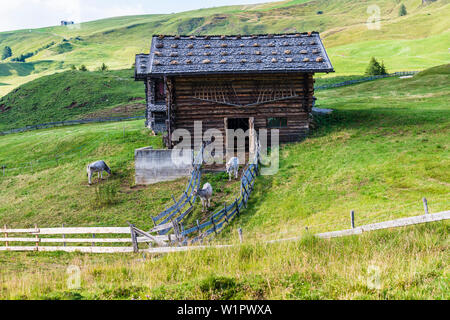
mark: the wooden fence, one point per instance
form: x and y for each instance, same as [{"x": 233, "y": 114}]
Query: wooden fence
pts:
[
  {"x": 172, "y": 217},
  {"x": 39, "y": 237},
  {"x": 138, "y": 236}
]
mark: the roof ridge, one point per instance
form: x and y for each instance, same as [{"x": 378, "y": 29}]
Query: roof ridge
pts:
[{"x": 236, "y": 35}]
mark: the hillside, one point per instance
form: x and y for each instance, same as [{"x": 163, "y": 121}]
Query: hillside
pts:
[
  {"x": 379, "y": 153},
  {"x": 342, "y": 23},
  {"x": 71, "y": 95}
]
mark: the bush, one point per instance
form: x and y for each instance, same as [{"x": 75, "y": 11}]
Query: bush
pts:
[
  {"x": 103, "y": 67},
  {"x": 83, "y": 68},
  {"x": 402, "y": 11},
  {"x": 106, "y": 195},
  {"x": 320, "y": 12},
  {"x": 375, "y": 68}
]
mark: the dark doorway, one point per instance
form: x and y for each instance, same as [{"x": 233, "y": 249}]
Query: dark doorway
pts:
[
  {"x": 238, "y": 123},
  {"x": 239, "y": 149}
]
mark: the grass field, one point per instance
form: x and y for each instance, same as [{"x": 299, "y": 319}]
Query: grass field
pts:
[
  {"x": 73, "y": 94},
  {"x": 384, "y": 148},
  {"x": 410, "y": 263},
  {"x": 342, "y": 24}
]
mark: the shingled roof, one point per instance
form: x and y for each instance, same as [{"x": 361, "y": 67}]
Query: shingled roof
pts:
[{"x": 184, "y": 55}]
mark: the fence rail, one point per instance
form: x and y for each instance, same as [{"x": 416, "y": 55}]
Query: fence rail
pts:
[
  {"x": 68, "y": 123},
  {"x": 34, "y": 236}
]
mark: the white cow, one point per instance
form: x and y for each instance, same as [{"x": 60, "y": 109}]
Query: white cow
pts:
[
  {"x": 233, "y": 168},
  {"x": 205, "y": 195},
  {"x": 99, "y": 167}
]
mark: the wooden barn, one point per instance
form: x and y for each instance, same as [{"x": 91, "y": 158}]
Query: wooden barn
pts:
[{"x": 231, "y": 82}]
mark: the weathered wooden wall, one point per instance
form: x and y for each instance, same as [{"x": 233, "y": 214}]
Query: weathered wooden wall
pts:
[{"x": 186, "y": 109}]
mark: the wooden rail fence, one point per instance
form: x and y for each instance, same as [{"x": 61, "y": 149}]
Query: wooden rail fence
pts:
[
  {"x": 35, "y": 236},
  {"x": 139, "y": 236}
]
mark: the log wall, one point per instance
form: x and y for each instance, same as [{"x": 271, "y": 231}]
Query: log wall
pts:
[{"x": 185, "y": 108}]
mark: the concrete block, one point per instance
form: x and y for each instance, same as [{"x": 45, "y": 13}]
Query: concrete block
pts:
[{"x": 152, "y": 166}]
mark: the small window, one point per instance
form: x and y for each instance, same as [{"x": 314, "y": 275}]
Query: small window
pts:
[
  {"x": 159, "y": 91},
  {"x": 276, "y": 122}
]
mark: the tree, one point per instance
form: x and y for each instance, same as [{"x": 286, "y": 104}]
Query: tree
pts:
[
  {"x": 375, "y": 68},
  {"x": 83, "y": 68},
  {"x": 103, "y": 67},
  {"x": 7, "y": 52},
  {"x": 383, "y": 68},
  {"x": 73, "y": 68},
  {"x": 402, "y": 11}
]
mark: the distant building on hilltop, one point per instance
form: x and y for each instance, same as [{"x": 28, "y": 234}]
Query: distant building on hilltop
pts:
[{"x": 66, "y": 23}]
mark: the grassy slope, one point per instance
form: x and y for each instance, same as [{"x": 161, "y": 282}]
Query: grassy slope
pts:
[
  {"x": 350, "y": 43},
  {"x": 70, "y": 95},
  {"x": 385, "y": 147},
  {"x": 53, "y": 164}
]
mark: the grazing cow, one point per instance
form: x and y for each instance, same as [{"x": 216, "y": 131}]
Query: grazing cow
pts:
[
  {"x": 205, "y": 195},
  {"x": 233, "y": 168},
  {"x": 99, "y": 167}
]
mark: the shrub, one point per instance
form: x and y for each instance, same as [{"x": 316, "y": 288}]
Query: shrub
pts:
[
  {"x": 375, "y": 68},
  {"x": 320, "y": 12},
  {"x": 402, "y": 11},
  {"x": 7, "y": 52},
  {"x": 103, "y": 67},
  {"x": 83, "y": 68},
  {"x": 106, "y": 195}
]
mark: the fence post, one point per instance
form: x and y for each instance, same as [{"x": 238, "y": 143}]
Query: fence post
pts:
[
  {"x": 175, "y": 230},
  {"x": 3, "y": 169},
  {"x": 241, "y": 238},
  {"x": 214, "y": 225},
  {"x": 37, "y": 237},
  {"x": 63, "y": 236},
  {"x": 6, "y": 236},
  {"x": 134, "y": 238},
  {"x": 237, "y": 206},
  {"x": 425, "y": 205},
  {"x": 352, "y": 216},
  {"x": 225, "y": 210},
  {"x": 198, "y": 228},
  {"x": 93, "y": 237}
]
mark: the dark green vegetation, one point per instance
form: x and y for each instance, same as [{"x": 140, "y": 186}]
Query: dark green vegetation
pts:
[
  {"x": 375, "y": 68},
  {"x": 6, "y": 53},
  {"x": 70, "y": 95},
  {"x": 402, "y": 11}
]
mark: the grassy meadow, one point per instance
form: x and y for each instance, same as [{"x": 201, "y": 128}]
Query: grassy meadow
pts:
[
  {"x": 409, "y": 263},
  {"x": 72, "y": 95},
  {"x": 383, "y": 148}
]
